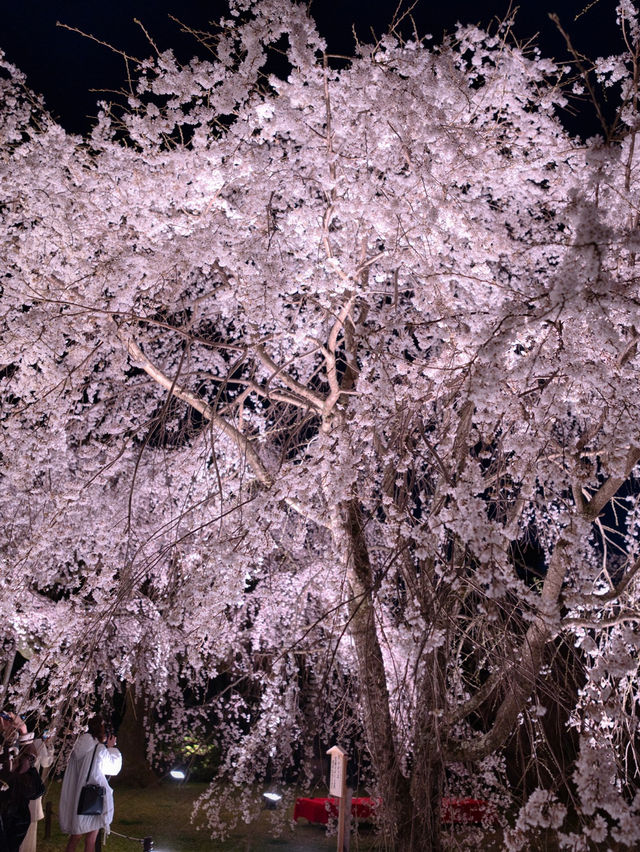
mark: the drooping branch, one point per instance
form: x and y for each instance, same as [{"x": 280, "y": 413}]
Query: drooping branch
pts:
[
  {"x": 298, "y": 389},
  {"x": 596, "y": 601},
  {"x": 277, "y": 395},
  {"x": 244, "y": 444},
  {"x": 611, "y": 486},
  {"x": 603, "y": 623},
  {"x": 477, "y": 699},
  {"x": 522, "y": 677}
]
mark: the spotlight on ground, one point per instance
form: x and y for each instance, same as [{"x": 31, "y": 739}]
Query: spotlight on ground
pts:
[
  {"x": 271, "y": 800},
  {"x": 178, "y": 774}
]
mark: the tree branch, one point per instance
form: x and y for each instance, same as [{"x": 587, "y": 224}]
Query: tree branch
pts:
[
  {"x": 244, "y": 445},
  {"x": 242, "y": 442},
  {"x": 603, "y": 623},
  {"x": 279, "y": 373},
  {"x": 610, "y": 486},
  {"x": 598, "y": 600},
  {"x": 329, "y": 352},
  {"x": 524, "y": 672}
]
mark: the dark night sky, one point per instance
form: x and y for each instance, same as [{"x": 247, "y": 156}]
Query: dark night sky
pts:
[{"x": 65, "y": 67}]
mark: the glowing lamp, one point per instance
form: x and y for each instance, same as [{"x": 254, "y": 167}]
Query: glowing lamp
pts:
[{"x": 271, "y": 800}]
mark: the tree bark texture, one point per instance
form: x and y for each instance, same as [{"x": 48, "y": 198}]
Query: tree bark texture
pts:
[
  {"x": 132, "y": 742},
  {"x": 410, "y": 815}
]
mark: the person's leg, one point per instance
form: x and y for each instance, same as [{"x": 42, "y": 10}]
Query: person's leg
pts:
[
  {"x": 29, "y": 842},
  {"x": 72, "y": 842},
  {"x": 90, "y": 840}
]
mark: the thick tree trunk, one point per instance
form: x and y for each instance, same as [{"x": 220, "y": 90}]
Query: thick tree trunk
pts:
[
  {"x": 411, "y": 809},
  {"x": 423, "y": 828},
  {"x": 393, "y": 787},
  {"x": 132, "y": 742},
  {"x": 422, "y": 831}
]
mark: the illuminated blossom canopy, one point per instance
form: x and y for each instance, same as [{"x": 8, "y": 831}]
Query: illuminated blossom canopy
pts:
[{"x": 320, "y": 418}]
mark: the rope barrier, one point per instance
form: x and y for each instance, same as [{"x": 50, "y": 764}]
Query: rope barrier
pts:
[
  {"x": 147, "y": 842},
  {"x": 126, "y": 836}
]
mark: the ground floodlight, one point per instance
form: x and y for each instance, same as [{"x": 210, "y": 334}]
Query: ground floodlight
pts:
[
  {"x": 178, "y": 774},
  {"x": 271, "y": 800}
]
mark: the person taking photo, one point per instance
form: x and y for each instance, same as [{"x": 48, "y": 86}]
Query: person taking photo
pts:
[{"x": 94, "y": 756}]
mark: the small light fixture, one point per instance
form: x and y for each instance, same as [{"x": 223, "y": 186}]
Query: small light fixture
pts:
[
  {"x": 271, "y": 800},
  {"x": 178, "y": 774}
]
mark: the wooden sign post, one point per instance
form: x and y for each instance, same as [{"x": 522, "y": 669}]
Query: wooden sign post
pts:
[{"x": 338, "y": 787}]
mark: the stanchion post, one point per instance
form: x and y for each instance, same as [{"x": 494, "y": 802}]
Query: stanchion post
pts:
[
  {"x": 347, "y": 819},
  {"x": 147, "y": 844},
  {"x": 48, "y": 810}
]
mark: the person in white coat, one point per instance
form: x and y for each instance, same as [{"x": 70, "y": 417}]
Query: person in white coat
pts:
[
  {"x": 95, "y": 754},
  {"x": 43, "y": 759}
]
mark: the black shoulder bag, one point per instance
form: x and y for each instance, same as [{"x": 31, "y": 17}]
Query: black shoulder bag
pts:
[{"x": 91, "y": 801}]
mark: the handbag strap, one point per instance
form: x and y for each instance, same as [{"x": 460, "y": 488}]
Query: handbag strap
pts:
[{"x": 91, "y": 764}]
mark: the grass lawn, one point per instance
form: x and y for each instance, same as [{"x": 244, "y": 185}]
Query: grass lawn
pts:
[{"x": 164, "y": 813}]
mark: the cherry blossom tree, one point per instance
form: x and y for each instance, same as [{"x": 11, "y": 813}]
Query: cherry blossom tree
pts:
[{"x": 294, "y": 369}]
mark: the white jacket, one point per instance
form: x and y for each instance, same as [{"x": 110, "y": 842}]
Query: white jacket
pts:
[
  {"x": 44, "y": 758},
  {"x": 108, "y": 761}
]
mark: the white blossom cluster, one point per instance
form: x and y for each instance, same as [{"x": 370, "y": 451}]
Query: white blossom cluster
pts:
[{"x": 319, "y": 417}]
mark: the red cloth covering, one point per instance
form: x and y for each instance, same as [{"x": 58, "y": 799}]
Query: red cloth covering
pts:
[
  {"x": 466, "y": 810},
  {"x": 319, "y": 810},
  {"x": 453, "y": 810}
]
